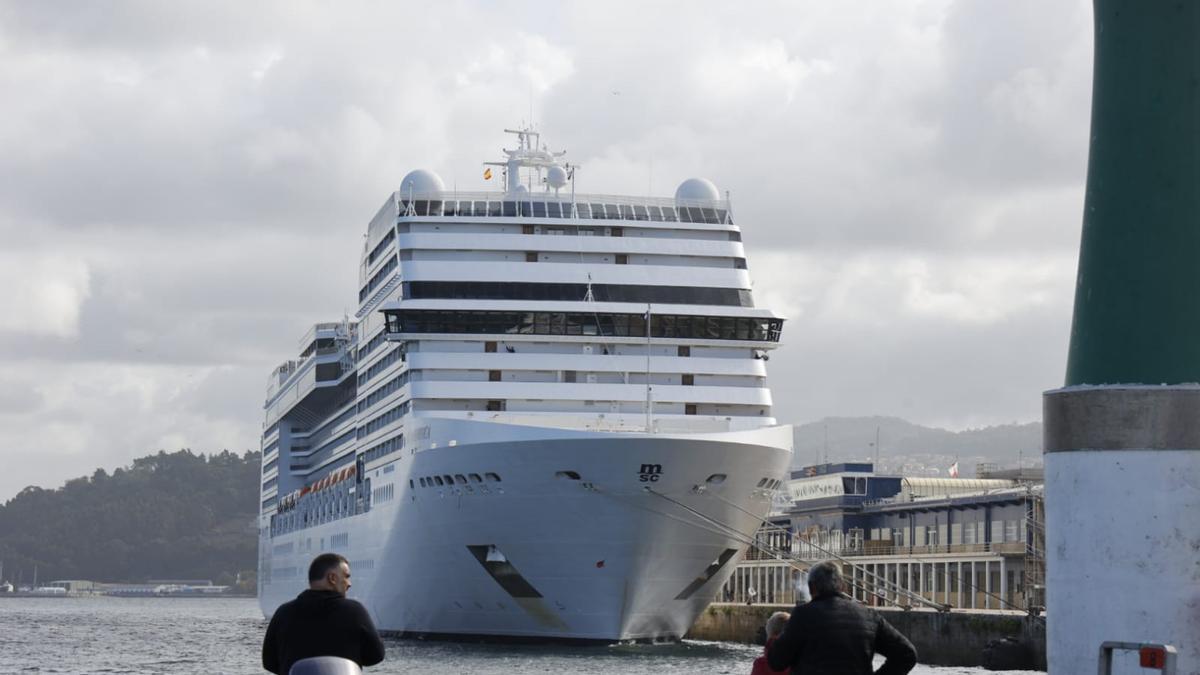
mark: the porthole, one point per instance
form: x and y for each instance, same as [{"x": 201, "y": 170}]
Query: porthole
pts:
[
  {"x": 570, "y": 475},
  {"x": 716, "y": 479}
]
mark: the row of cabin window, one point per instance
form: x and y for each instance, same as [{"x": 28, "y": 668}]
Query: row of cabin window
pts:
[
  {"x": 383, "y": 449},
  {"x": 381, "y": 246},
  {"x": 501, "y": 405},
  {"x": 490, "y": 348},
  {"x": 623, "y": 259},
  {"x": 572, "y": 377},
  {"x": 575, "y": 230},
  {"x": 456, "y": 479},
  {"x": 397, "y": 354},
  {"x": 554, "y": 209},
  {"x": 639, "y": 293},
  {"x": 377, "y": 278},
  {"x": 383, "y": 420},
  {"x": 383, "y": 392},
  {"x": 365, "y": 350},
  {"x": 590, "y": 323}
]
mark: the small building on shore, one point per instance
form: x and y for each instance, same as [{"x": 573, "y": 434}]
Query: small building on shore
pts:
[{"x": 969, "y": 543}]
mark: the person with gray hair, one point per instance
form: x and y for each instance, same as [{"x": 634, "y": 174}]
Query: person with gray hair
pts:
[
  {"x": 774, "y": 627},
  {"x": 835, "y": 634}
]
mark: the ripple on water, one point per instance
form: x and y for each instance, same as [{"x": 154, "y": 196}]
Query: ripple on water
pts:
[{"x": 145, "y": 636}]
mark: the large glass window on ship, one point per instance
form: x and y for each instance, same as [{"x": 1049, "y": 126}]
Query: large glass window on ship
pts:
[{"x": 577, "y": 323}]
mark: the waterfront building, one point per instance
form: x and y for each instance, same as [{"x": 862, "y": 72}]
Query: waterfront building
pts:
[{"x": 966, "y": 543}]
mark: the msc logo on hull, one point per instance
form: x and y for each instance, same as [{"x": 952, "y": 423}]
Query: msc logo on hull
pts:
[{"x": 650, "y": 473}]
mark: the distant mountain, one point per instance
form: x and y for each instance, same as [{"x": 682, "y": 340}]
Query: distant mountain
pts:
[
  {"x": 913, "y": 449},
  {"x": 167, "y": 516}
]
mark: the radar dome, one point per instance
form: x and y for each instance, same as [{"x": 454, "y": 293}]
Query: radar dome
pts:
[
  {"x": 421, "y": 182},
  {"x": 699, "y": 189},
  {"x": 556, "y": 177}
]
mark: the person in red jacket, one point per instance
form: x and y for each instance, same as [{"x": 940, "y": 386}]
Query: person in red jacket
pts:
[{"x": 774, "y": 627}]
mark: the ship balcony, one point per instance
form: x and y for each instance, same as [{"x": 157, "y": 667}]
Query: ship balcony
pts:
[
  {"x": 634, "y": 364},
  {"x": 574, "y": 272},
  {"x": 559, "y": 391},
  {"x": 320, "y": 332},
  {"x": 475, "y": 241},
  {"x": 314, "y": 384}
]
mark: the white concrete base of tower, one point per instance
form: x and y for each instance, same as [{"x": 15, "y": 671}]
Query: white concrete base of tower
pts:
[{"x": 1122, "y": 525}]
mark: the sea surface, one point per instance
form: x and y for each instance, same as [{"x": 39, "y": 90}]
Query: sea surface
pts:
[{"x": 224, "y": 635}]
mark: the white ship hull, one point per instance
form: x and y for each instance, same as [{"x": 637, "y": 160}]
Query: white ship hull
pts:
[{"x": 610, "y": 556}]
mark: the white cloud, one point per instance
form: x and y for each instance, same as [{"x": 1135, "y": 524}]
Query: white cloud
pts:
[
  {"x": 764, "y": 70},
  {"x": 43, "y": 293},
  {"x": 103, "y": 414},
  {"x": 924, "y": 337}
]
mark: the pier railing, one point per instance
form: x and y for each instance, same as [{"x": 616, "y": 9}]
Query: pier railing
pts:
[{"x": 873, "y": 548}]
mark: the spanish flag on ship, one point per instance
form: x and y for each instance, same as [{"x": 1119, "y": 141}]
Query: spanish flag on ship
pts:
[{"x": 487, "y": 173}]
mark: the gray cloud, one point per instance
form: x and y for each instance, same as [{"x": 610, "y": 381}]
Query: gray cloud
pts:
[{"x": 184, "y": 188}]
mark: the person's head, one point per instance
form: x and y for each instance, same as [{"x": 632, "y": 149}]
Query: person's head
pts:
[
  {"x": 329, "y": 572},
  {"x": 776, "y": 623},
  {"x": 825, "y": 579}
]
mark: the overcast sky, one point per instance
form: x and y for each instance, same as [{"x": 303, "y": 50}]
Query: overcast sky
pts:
[{"x": 184, "y": 188}]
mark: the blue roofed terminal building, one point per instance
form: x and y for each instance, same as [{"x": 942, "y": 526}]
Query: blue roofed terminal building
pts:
[{"x": 964, "y": 543}]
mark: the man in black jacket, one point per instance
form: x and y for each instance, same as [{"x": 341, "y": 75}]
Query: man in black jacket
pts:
[
  {"x": 322, "y": 622},
  {"x": 834, "y": 635}
]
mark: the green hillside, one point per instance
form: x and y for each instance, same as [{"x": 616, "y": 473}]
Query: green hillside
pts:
[{"x": 167, "y": 516}]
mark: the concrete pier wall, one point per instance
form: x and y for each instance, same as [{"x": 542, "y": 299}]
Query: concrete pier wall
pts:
[{"x": 943, "y": 639}]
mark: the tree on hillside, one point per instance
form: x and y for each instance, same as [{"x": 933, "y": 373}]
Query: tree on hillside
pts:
[{"x": 168, "y": 515}]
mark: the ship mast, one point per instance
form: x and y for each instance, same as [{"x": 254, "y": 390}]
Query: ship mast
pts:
[{"x": 530, "y": 154}]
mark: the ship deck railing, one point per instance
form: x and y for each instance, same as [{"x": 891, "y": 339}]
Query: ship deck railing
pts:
[{"x": 558, "y": 205}]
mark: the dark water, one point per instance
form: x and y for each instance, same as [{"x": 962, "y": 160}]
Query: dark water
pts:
[{"x": 129, "y": 635}]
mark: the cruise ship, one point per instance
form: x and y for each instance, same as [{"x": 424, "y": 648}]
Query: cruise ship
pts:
[{"x": 548, "y": 418}]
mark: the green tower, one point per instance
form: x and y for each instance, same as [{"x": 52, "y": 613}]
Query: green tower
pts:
[
  {"x": 1122, "y": 440},
  {"x": 1137, "y": 298}
]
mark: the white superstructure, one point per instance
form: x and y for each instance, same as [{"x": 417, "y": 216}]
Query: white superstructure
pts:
[{"x": 548, "y": 418}]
